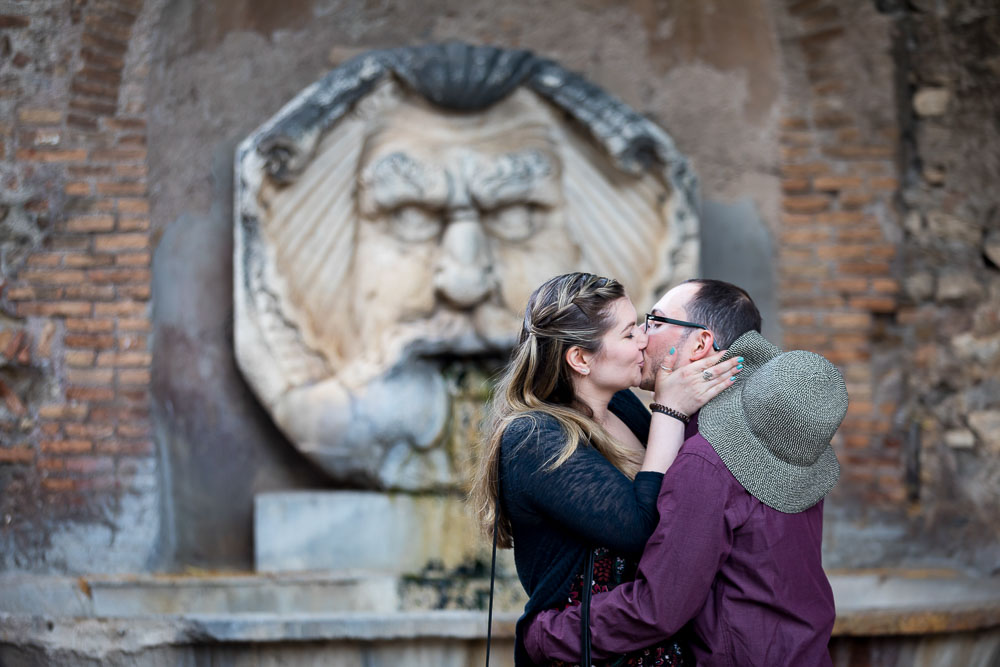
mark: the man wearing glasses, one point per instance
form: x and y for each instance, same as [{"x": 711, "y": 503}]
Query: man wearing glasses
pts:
[{"x": 735, "y": 560}]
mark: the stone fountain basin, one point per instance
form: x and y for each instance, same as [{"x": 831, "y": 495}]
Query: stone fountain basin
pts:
[{"x": 358, "y": 618}]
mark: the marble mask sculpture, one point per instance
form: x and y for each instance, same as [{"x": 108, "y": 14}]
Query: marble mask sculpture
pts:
[{"x": 392, "y": 220}]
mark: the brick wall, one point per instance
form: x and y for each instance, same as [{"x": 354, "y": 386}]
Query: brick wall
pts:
[
  {"x": 74, "y": 349},
  {"x": 836, "y": 258}
]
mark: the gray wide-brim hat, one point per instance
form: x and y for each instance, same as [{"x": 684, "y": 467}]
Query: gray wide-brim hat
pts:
[{"x": 773, "y": 427}]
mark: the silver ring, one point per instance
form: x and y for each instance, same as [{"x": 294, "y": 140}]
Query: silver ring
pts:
[
  {"x": 707, "y": 374},
  {"x": 669, "y": 370}
]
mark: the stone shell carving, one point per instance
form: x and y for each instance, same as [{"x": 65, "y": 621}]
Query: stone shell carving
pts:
[{"x": 391, "y": 221}]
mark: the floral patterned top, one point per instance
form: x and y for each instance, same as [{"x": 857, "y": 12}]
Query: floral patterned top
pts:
[{"x": 610, "y": 570}]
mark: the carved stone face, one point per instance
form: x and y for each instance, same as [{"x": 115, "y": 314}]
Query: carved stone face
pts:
[
  {"x": 461, "y": 216},
  {"x": 384, "y": 246}
]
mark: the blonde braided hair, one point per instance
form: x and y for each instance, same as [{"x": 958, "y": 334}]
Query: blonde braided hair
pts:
[{"x": 574, "y": 309}]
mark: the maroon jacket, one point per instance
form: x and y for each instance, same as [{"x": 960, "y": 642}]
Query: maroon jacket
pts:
[{"x": 747, "y": 577}]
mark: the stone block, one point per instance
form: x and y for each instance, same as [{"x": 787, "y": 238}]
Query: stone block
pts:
[
  {"x": 961, "y": 438},
  {"x": 931, "y": 101},
  {"x": 986, "y": 425},
  {"x": 359, "y": 530}
]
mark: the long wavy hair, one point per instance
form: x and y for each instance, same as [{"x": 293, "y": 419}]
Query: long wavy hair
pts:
[{"x": 571, "y": 309}]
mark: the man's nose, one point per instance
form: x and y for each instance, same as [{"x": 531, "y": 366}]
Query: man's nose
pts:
[{"x": 464, "y": 274}]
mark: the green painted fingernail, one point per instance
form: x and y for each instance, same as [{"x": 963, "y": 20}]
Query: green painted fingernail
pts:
[
  {"x": 739, "y": 359},
  {"x": 672, "y": 350},
  {"x": 732, "y": 379},
  {"x": 738, "y": 366}
]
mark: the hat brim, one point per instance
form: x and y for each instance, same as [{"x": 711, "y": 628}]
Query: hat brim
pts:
[{"x": 784, "y": 486}]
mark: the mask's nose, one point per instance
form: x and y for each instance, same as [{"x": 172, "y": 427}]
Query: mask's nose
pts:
[{"x": 464, "y": 274}]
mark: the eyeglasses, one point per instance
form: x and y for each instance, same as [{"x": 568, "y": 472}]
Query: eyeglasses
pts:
[{"x": 680, "y": 323}]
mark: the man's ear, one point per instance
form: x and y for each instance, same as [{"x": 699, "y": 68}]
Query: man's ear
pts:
[
  {"x": 578, "y": 360},
  {"x": 703, "y": 344}
]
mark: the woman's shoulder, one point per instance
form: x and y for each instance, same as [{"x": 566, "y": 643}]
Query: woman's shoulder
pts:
[{"x": 531, "y": 424}]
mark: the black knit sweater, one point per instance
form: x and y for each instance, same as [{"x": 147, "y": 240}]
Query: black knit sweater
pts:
[{"x": 556, "y": 515}]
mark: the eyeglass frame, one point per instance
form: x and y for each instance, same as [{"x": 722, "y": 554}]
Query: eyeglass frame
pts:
[{"x": 680, "y": 323}]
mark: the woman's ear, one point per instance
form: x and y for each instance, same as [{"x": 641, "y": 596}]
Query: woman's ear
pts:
[{"x": 578, "y": 360}]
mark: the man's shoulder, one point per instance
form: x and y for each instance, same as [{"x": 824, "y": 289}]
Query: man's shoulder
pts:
[{"x": 697, "y": 447}]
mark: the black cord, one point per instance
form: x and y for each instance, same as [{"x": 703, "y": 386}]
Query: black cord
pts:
[
  {"x": 493, "y": 574},
  {"x": 588, "y": 587}
]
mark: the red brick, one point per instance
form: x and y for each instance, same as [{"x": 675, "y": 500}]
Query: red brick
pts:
[
  {"x": 134, "y": 324},
  {"x": 836, "y": 183},
  {"x": 865, "y": 268},
  {"x": 119, "y": 242},
  {"x": 855, "y": 152},
  {"x": 852, "y": 200},
  {"x": 804, "y": 169},
  {"x": 89, "y": 393},
  {"x": 119, "y": 276},
  {"x": 832, "y": 119},
  {"x": 62, "y": 411},
  {"x": 79, "y": 358},
  {"x": 89, "y": 431},
  {"x": 33, "y": 155},
  {"x": 810, "y": 272},
  {"x": 53, "y": 484},
  {"x": 137, "y": 292},
  {"x": 110, "y": 78},
  {"x": 66, "y": 446},
  {"x": 860, "y": 234},
  {"x": 805, "y": 341},
  {"x": 798, "y": 319},
  {"x": 86, "y": 261},
  {"x": 843, "y": 252},
  {"x": 794, "y": 123},
  {"x": 843, "y": 356},
  {"x": 89, "y": 376},
  {"x": 90, "y": 326},
  {"x": 127, "y": 124},
  {"x": 885, "y": 184},
  {"x": 44, "y": 259},
  {"x": 133, "y": 259},
  {"x": 53, "y": 277},
  {"x": 93, "y": 106},
  {"x": 131, "y": 224},
  {"x": 843, "y": 218},
  {"x": 120, "y": 189},
  {"x": 804, "y": 236},
  {"x": 97, "y": 59},
  {"x": 848, "y": 321},
  {"x": 19, "y": 454},
  {"x": 805, "y": 203},
  {"x": 124, "y": 359},
  {"x": 90, "y": 341},
  {"x": 796, "y": 185},
  {"x": 134, "y": 377},
  {"x": 91, "y": 292},
  {"x": 33, "y": 116},
  {"x": 125, "y": 308},
  {"x": 77, "y": 189},
  {"x": 81, "y": 121},
  {"x": 119, "y": 155},
  {"x": 94, "y": 89},
  {"x": 91, "y": 223},
  {"x": 876, "y": 304},
  {"x": 55, "y": 308},
  {"x": 845, "y": 285},
  {"x": 885, "y": 285},
  {"x": 137, "y": 206}
]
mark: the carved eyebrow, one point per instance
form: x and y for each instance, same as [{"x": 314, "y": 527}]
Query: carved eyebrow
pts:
[
  {"x": 397, "y": 178},
  {"x": 514, "y": 178}
]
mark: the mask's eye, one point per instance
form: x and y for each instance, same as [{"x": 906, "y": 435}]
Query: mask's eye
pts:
[
  {"x": 414, "y": 223},
  {"x": 516, "y": 222}
]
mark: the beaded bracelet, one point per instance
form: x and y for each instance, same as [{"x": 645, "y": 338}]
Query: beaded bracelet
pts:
[{"x": 670, "y": 412}]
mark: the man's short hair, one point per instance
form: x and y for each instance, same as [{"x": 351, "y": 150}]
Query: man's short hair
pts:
[{"x": 727, "y": 310}]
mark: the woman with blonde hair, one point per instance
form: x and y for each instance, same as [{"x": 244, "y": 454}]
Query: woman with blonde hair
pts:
[{"x": 573, "y": 461}]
